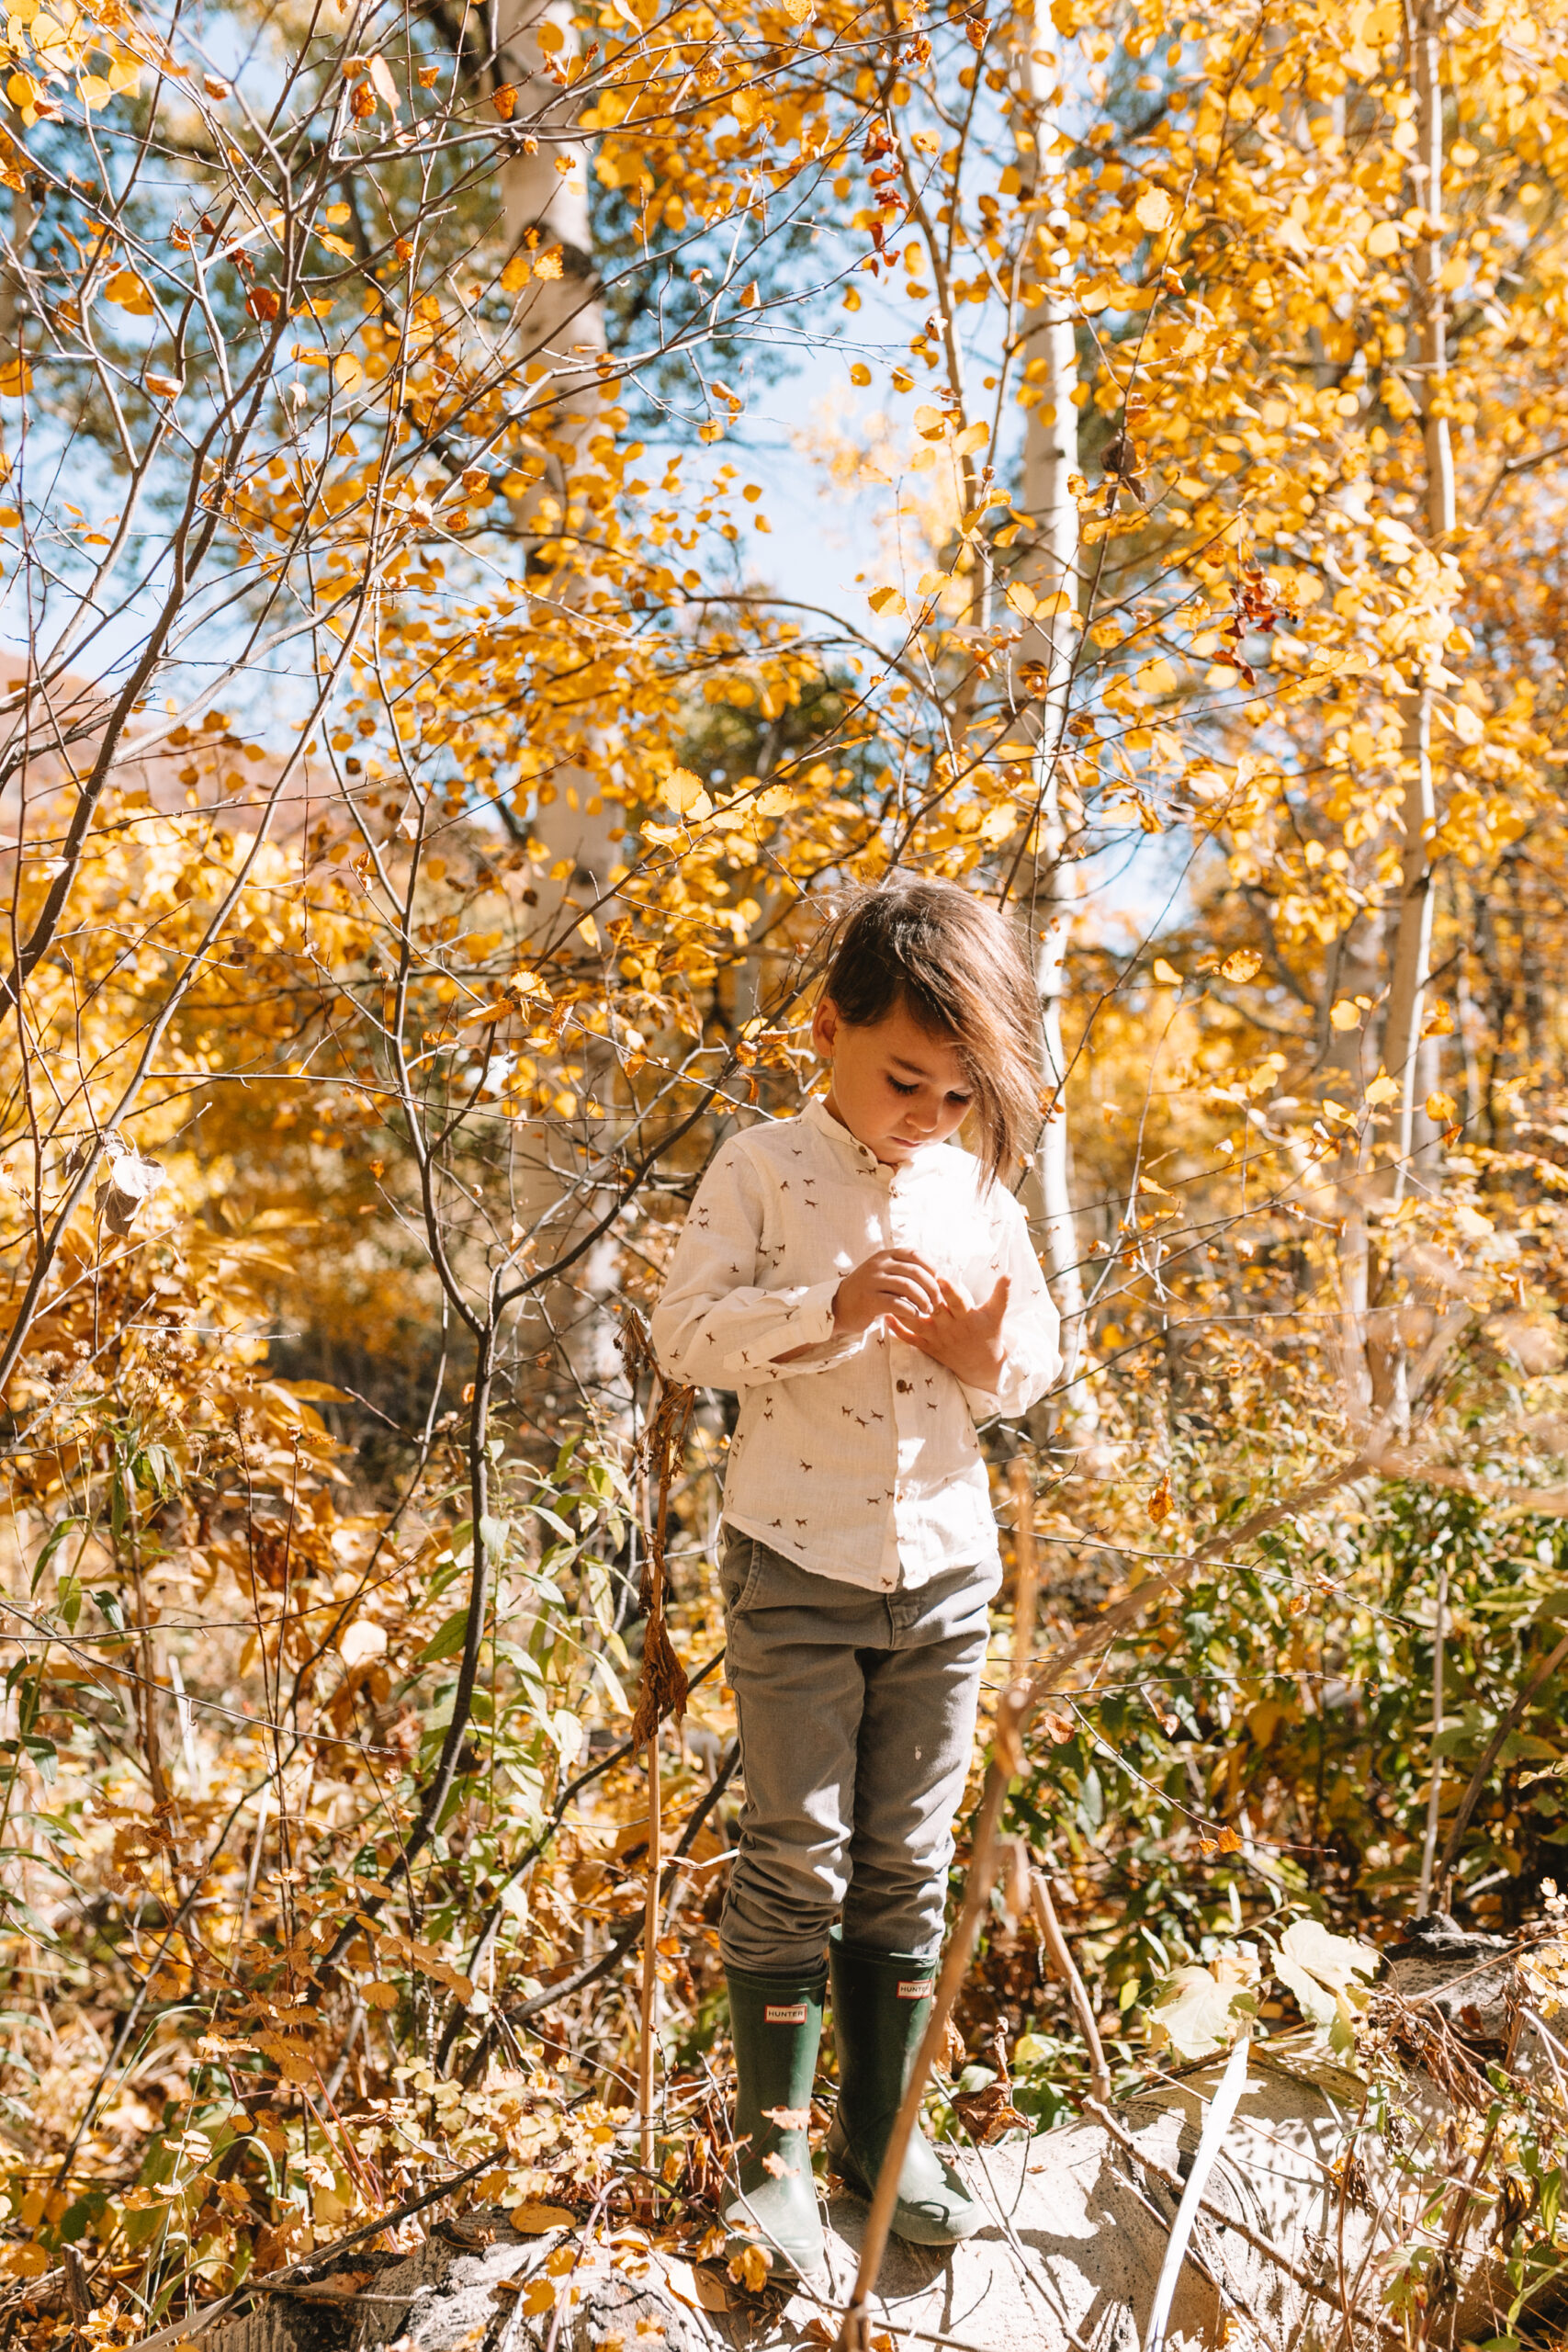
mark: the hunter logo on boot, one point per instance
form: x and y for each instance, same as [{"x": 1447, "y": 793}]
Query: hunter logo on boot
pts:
[
  {"x": 916, "y": 1991},
  {"x": 784, "y": 2013}
]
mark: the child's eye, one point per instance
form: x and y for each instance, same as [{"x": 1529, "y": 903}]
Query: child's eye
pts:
[
  {"x": 963, "y": 1100},
  {"x": 899, "y": 1088}
]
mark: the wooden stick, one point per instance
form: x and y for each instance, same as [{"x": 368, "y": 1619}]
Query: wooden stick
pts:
[
  {"x": 1066, "y": 1968},
  {"x": 650, "y": 1955},
  {"x": 1007, "y": 1759},
  {"x": 1017, "y": 1703}
]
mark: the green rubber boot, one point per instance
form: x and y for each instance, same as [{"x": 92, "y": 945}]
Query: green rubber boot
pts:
[
  {"x": 776, "y": 2023},
  {"x": 881, "y": 2003}
]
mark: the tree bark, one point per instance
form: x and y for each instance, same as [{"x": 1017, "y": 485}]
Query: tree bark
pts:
[
  {"x": 1043, "y": 671},
  {"x": 1413, "y": 1140}
]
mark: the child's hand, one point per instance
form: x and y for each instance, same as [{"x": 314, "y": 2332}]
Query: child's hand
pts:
[
  {"x": 889, "y": 1283},
  {"x": 967, "y": 1339}
]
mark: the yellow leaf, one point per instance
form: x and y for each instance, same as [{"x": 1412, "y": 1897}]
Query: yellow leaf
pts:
[
  {"x": 859, "y": 373},
  {"x": 516, "y": 274},
  {"x": 1155, "y": 678},
  {"x": 1442, "y": 1109},
  {"x": 1383, "y": 240},
  {"x": 1440, "y": 1021},
  {"x": 126, "y": 290},
  {"x": 684, "y": 790},
  {"x": 1167, "y": 974},
  {"x": 748, "y": 2267},
  {"x": 335, "y": 245},
  {"x": 385, "y": 89},
  {"x": 338, "y": 213},
  {"x": 1161, "y": 1502},
  {"x": 1152, "y": 210},
  {"x": 215, "y": 86},
  {"x": 886, "y": 600},
  {"x": 95, "y": 90},
  {"x": 1384, "y": 1089},
  {"x": 348, "y": 371},
  {"x": 382, "y": 1995},
  {"x": 1346, "y": 1015},
  {"x": 533, "y": 2220},
  {"x": 1243, "y": 966},
  {"x": 548, "y": 265},
  {"x": 776, "y": 802},
  {"x": 538, "y": 2296},
  {"x": 588, "y": 932},
  {"x": 974, "y": 437}
]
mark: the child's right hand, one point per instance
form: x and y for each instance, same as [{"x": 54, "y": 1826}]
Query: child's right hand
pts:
[{"x": 890, "y": 1281}]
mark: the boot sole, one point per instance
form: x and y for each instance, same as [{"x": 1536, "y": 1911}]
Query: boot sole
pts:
[
  {"x": 785, "y": 2266},
  {"x": 908, "y": 2223}
]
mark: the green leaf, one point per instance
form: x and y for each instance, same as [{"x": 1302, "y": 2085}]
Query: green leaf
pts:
[
  {"x": 1196, "y": 2014},
  {"x": 495, "y": 1534},
  {"x": 447, "y": 1641},
  {"x": 52, "y": 1541}
]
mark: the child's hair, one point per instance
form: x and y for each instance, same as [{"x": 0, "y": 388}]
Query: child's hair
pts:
[{"x": 956, "y": 966}]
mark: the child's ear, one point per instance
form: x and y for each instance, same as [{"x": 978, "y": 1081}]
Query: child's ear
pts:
[{"x": 825, "y": 1028}]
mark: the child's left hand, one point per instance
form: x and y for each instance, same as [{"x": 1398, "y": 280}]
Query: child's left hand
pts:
[{"x": 966, "y": 1339}]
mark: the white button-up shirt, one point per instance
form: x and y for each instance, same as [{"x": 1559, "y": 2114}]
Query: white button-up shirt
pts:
[{"x": 858, "y": 1459}]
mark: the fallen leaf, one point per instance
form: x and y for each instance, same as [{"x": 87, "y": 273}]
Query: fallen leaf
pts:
[{"x": 532, "y": 2221}]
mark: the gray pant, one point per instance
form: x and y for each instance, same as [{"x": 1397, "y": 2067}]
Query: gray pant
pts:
[{"x": 856, "y": 1715}]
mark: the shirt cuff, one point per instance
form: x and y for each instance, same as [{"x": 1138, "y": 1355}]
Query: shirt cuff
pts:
[
  {"x": 811, "y": 1317},
  {"x": 985, "y": 1403}
]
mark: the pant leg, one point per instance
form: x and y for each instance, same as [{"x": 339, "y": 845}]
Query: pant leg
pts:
[
  {"x": 916, "y": 1736},
  {"x": 794, "y": 1663}
]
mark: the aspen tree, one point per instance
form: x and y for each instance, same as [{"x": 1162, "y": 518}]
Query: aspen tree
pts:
[
  {"x": 1413, "y": 926},
  {"x": 1043, "y": 663}
]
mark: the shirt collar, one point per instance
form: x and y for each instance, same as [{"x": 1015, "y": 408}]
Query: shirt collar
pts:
[{"x": 818, "y": 1116}]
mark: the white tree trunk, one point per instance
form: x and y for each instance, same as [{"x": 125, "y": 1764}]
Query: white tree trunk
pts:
[
  {"x": 1043, "y": 670},
  {"x": 560, "y": 330},
  {"x": 1414, "y": 1138}
]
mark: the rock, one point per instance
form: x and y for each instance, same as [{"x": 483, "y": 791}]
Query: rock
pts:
[{"x": 1070, "y": 2257}]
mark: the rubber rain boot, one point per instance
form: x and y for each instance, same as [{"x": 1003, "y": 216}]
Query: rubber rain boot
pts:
[
  {"x": 776, "y": 2023},
  {"x": 881, "y": 2003}
]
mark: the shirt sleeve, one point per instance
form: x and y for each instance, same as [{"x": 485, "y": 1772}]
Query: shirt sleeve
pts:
[
  {"x": 1030, "y": 1330},
  {"x": 714, "y": 1325}
]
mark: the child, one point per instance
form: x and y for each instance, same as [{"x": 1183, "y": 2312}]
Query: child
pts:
[{"x": 871, "y": 1294}]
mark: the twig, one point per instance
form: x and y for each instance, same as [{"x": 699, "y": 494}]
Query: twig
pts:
[
  {"x": 1062, "y": 1960},
  {"x": 1017, "y": 1703},
  {"x": 1007, "y": 1759},
  {"x": 649, "y": 1957},
  {"x": 1262, "y": 2245},
  {"x": 1435, "y": 1786},
  {"x": 290, "y": 2275},
  {"x": 1216, "y": 2123},
  {"x": 1489, "y": 1755}
]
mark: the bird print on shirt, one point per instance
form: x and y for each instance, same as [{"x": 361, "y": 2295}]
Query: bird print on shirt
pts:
[{"x": 789, "y": 1208}]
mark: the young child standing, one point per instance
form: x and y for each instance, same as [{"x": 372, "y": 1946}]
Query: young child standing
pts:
[{"x": 871, "y": 1292}]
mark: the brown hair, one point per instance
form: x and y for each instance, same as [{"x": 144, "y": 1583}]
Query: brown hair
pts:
[{"x": 957, "y": 967}]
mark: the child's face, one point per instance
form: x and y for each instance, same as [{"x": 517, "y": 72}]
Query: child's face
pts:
[{"x": 896, "y": 1086}]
